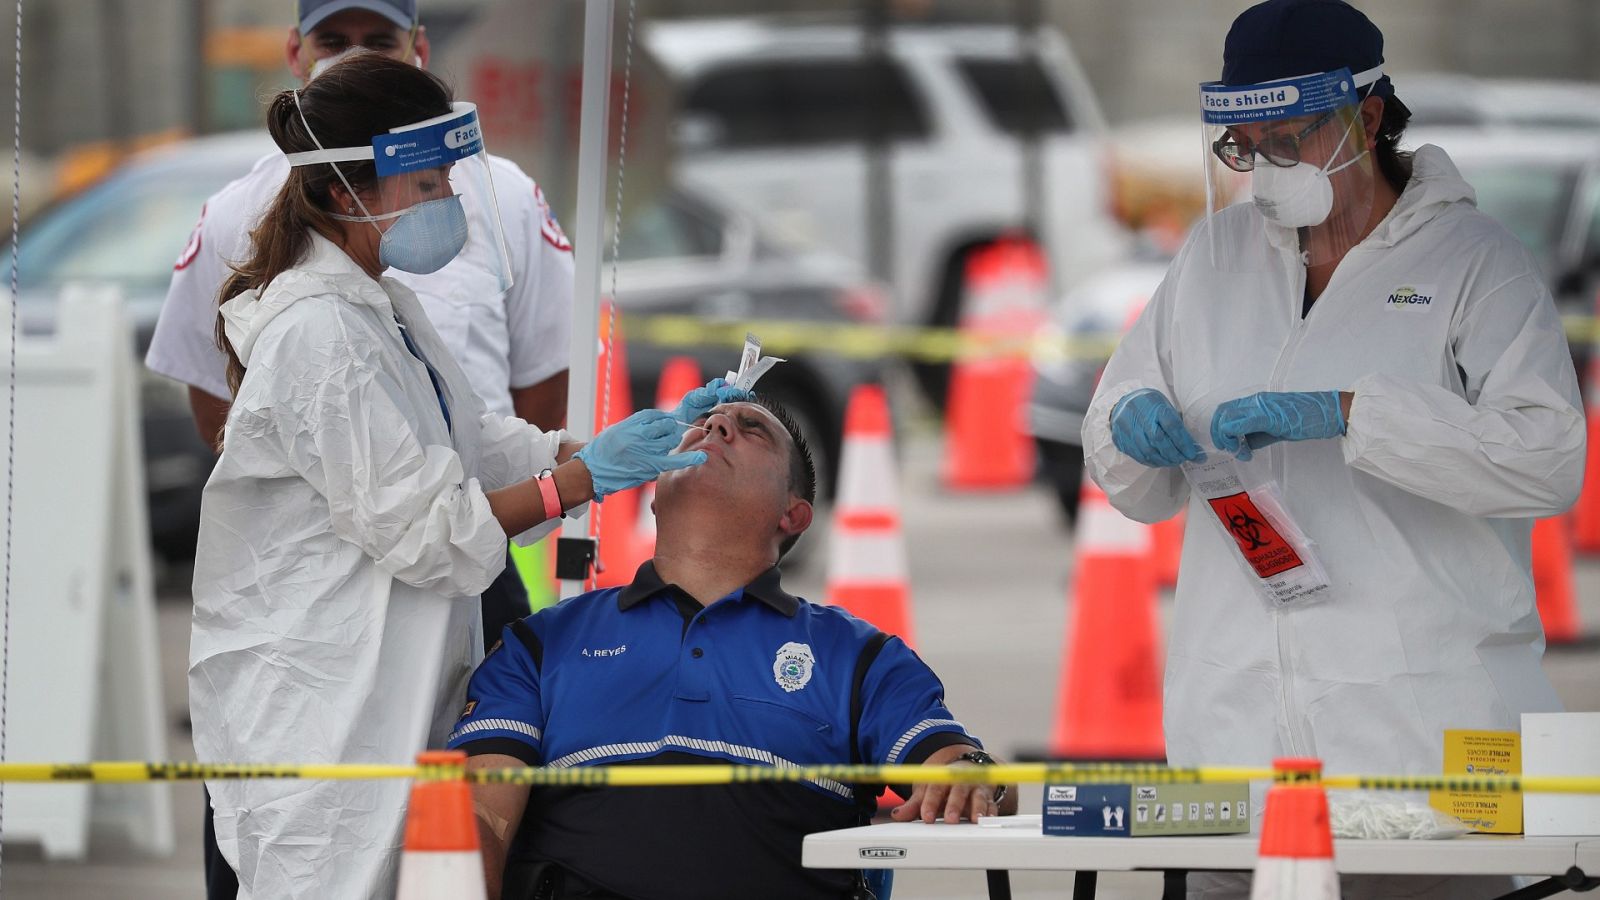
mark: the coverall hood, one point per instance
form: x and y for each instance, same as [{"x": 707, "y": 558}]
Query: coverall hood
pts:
[{"x": 245, "y": 315}]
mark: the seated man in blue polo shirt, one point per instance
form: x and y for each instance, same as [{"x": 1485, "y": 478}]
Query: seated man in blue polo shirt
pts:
[{"x": 704, "y": 659}]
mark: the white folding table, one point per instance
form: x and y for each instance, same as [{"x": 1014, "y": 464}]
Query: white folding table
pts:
[{"x": 1016, "y": 842}]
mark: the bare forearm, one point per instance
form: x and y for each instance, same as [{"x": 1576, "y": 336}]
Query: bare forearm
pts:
[
  {"x": 521, "y": 506},
  {"x": 498, "y": 809},
  {"x": 493, "y": 849},
  {"x": 210, "y": 415},
  {"x": 543, "y": 404}
]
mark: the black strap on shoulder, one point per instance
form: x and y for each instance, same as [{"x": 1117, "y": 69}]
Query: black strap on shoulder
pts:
[
  {"x": 866, "y": 794},
  {"x": 530, "y": 641}
]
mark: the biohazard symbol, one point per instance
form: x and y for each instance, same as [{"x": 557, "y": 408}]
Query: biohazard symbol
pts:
[
  {"x": 1261, "y": 545},
  {"x": 1247, "y": 529}
]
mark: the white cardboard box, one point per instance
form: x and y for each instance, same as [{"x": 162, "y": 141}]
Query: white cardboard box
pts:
[{"x": 1561, "y": 744}]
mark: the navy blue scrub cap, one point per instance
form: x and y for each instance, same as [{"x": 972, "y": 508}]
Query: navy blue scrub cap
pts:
[{"x": 1287, "y": 38}]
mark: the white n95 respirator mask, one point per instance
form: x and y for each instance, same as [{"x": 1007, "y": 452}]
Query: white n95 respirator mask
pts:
[
  {"x": 322, "y": 65},
  {"x": 1300, "y": 195}
]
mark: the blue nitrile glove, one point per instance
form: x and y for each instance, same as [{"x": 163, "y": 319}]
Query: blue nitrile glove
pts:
[
  {"x": 1250, "y": 423},
  {"x": 634, "y": 451},
  {"x": 703, "y": 400},
  {"x": 1146, "y": 426}
]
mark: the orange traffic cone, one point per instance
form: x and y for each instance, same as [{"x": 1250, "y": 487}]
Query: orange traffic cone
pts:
[
  {"x": 1166, "y": 549},
  {"x": 1295, "y": 861},
  {"x": 986, "y": 444},
  {"x": 1110, "y": 692},
  {"x": 678, "y": 377},
  {"x": 441, "y": 860},
  {"x": 613, "y": 521},
  {"x": 1552, "y": 580},
  {"x": 1586, "y": 515},
  {"x": 867, "y": 570}
]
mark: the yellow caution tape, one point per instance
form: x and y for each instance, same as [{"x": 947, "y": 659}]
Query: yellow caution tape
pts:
[
  {"x": 133, "y": 772},
  {"x": 665, "y": 776},
  {"x": 1010, "y": 773},
  {"x": 1526, "y": 784},
  {"x": 779, "y": 337},
  {"x": 941, "y": 345}
]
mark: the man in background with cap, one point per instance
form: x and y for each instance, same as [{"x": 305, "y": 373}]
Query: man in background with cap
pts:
[
  {"x": 1362, "y": 337},
  {"x": 513, "y": 345}
]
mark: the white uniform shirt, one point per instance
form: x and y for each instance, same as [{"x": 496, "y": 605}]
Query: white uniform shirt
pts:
[
  {"x": 344, "y": 537},
  {"x": 502, "y": 341},
  {"x": 1466, "y": 426}
]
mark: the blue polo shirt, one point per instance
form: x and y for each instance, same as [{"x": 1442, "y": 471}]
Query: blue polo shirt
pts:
[{"x": 645, "y": 674}]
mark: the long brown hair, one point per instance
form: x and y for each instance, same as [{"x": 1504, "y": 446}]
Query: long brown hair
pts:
[{"x": 363, "y": 95}]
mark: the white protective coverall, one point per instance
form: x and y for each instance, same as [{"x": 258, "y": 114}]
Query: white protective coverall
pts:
[
  {"x": 1466, "y": 425},
  {"x": 344, "y": 540}
]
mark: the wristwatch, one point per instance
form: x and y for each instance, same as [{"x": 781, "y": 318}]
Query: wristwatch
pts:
[{"x": 978, "y": 757}]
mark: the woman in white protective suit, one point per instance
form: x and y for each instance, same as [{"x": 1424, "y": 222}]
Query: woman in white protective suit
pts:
[
  {"x": 364, "y": 495},
  {"x": 1364, "y": 338}
]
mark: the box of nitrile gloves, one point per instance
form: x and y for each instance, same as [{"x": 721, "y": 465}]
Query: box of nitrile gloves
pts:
[{"x": 1122, "y": 810}]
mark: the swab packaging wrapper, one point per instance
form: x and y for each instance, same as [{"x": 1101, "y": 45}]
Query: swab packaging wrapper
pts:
[
  {"x": 752, "y": 365},
  {"x": 1276, "y": 555}
]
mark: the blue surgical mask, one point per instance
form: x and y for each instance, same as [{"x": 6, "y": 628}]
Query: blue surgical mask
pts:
[{"x": 425, "y": 237}]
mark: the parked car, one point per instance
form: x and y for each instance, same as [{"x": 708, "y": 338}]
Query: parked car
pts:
[
  {"x": 1438, "y": 100},
  {"x": 777, "y": 114},
  {"x": 684, "y": 255},
  {"x": 127, "y": 230},
  {"x": 1544, "y": 186}
]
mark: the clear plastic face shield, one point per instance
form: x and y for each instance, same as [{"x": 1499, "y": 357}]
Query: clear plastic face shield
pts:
[
  {"x": 1296, "y": 151},
  {"x": 434, "y": 191}
]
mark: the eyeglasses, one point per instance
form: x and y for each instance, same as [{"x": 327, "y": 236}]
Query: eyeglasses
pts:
[{"x": 1280, "y": 150}]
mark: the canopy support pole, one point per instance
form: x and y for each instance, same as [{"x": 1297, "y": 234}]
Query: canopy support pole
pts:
[{"x": 589, "y": 238}]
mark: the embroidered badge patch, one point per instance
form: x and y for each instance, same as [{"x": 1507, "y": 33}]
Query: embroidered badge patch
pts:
[
  {"x": 792, "y": 667},
  {"x": 549, "y": 227}
]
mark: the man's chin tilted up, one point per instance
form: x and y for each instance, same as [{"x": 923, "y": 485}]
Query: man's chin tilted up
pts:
[{"x": 704, "y": 659}]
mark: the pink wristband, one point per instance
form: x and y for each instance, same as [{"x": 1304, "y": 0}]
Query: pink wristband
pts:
[{"x": 547, "y": 491}]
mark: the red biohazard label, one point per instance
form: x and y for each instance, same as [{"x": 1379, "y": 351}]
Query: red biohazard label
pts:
[
  {"x": 1263, "y": 547},
  {"x": 192, "y": 249}
]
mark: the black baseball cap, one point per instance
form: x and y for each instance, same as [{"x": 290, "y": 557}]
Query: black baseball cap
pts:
[
  {"x": 402, "y": 13},
  {"x": 1287, "y": 38}
]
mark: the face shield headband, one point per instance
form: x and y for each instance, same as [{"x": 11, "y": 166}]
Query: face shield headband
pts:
[
  {"x": 430, "y": 232},
  {"x": 1224, "y": 106}
]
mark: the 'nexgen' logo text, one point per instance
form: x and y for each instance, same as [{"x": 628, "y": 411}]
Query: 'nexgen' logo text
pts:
[{"x": 1408, "y": 298}]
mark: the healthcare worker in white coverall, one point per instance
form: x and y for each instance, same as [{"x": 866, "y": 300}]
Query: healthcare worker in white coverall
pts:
[
  {"x": 364, "y": 493},
  {"x": 512, "y": 343},
  {"x": 1364, "y": 337}
]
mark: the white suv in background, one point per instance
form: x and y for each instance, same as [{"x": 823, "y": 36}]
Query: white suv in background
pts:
[{"x": 776, "y": 117}]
